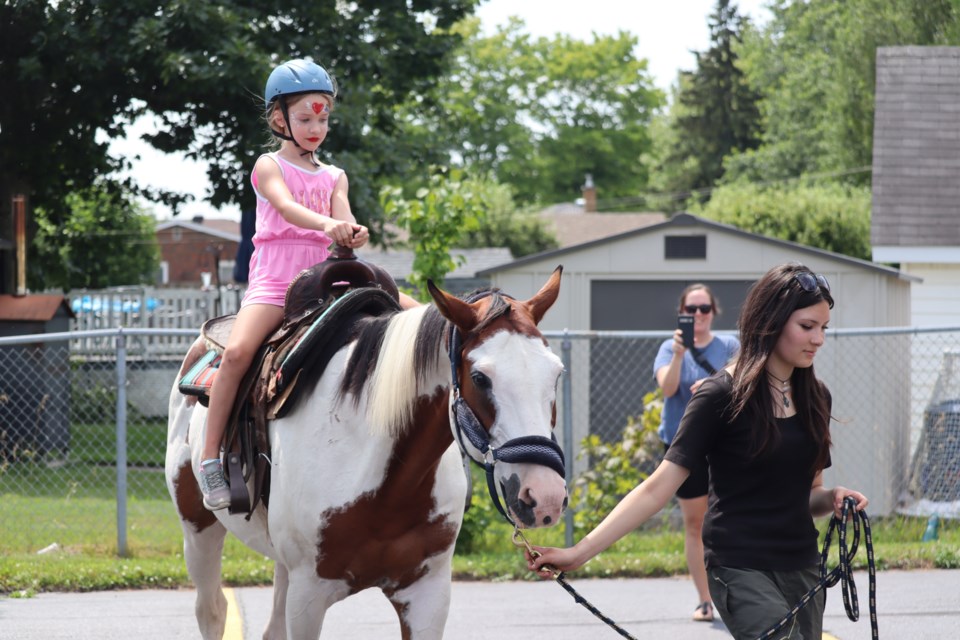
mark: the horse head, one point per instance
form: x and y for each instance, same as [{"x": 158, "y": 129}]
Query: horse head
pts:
[{"x": 504, "y": 399}]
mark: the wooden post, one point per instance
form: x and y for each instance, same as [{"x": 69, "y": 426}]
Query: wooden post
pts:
[{"x": 20, "y": 241}]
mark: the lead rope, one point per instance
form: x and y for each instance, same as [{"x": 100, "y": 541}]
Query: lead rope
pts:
[
  {"x": 521, "y": 541},
  {"x": 842, "y": 573}
]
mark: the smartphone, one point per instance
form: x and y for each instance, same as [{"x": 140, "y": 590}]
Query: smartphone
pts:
[{"x": 685, "y": 323}]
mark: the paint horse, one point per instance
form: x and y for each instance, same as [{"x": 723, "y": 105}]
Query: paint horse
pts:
[{"x": 367, "y": 482}]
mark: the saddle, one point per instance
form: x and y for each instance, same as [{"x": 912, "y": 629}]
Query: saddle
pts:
[{"x": 321, "y": 309}]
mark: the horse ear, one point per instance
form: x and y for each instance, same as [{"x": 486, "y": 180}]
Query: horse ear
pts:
[
  {"x": 544, "y": 299},
  {"x": 452, "y": 308}
]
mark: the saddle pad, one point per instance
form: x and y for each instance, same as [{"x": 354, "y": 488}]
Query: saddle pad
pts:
[{"x": 198, "y": 380}]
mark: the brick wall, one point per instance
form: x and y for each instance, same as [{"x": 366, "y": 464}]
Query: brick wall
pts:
[{"x": 188, "y": 253}]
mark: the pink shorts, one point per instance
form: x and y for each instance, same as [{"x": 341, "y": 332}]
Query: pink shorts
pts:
[{"x": 275, "y": 264}]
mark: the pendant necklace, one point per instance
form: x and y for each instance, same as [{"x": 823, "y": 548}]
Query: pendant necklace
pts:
[{"x": 783, "y": 388}]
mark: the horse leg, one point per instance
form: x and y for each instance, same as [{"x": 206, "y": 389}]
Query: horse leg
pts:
[
  {"x": 277, "y": 625},
  {"x": 203, "y": 552},
  {"x": 423, "y": 606},
  {"x": 308, "y": 598}
]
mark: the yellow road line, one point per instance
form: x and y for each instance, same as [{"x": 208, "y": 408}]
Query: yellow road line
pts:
[
  {"x": 827, "y": 636},
  {"x": 234, "y": 627}
]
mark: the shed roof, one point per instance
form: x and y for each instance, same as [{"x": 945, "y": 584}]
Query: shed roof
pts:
[
  {"x": 683, "y": 221},
  {"x": 33, "y": 308},
  {"x": 399, "y": 262}
]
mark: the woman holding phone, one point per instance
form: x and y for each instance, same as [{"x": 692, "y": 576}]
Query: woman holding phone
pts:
[{"x": 680, "y": 367}]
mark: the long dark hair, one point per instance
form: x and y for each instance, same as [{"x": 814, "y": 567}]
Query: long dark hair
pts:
[{"x": 769, "y": 304}]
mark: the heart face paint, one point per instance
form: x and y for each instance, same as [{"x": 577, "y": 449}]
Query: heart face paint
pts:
[{"x": 318, "y": 107}]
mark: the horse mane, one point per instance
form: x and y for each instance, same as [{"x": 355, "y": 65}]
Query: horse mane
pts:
[{"x": 396, "y": 357}]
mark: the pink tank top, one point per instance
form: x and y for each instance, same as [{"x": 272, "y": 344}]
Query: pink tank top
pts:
[{"x": 282, "y": 250}]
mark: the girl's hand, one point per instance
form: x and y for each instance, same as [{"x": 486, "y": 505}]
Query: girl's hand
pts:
[
  {"x": 839, "y": 493},
  {"x": 340, "y": 231},
  {"x": 360, "y": 236},
  {"x": 552, "y": 559}
]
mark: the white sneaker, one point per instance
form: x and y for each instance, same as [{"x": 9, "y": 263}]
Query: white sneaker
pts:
[{"x": 216, "y": 493}]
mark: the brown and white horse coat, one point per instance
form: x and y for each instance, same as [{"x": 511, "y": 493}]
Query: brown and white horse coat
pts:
[{"x": 367, "y": 485}]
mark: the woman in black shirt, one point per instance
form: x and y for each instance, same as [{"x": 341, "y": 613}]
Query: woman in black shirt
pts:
[{"x": 762, "y": 424}]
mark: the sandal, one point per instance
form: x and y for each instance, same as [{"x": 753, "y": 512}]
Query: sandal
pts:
[{"x": 703, "y": 612}]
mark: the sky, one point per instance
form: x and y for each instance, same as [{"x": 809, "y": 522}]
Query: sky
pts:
[{"x": 667, "y": 32}]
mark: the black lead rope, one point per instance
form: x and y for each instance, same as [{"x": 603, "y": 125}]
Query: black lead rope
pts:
[
  {"x": 843, "y": 572},
  {"x": 560, "y": 577}
]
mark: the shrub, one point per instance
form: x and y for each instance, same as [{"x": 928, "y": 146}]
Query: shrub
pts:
[{"x": 617, "y": 467}]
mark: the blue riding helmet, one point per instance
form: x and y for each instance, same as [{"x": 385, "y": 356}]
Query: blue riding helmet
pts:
[{"x": 297, "y": 76}]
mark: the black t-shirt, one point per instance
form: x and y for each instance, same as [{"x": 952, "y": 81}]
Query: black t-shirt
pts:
[{"x": 758, "y": 514}]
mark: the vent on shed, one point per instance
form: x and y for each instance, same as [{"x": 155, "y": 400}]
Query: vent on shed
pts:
[{"x": 685, "y": 247}]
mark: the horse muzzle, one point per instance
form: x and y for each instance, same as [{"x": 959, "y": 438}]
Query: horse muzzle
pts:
[{"x": 538, "y": 500}]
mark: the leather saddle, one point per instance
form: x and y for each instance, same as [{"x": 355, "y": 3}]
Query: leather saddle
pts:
[{"x": 321, "y": 308}]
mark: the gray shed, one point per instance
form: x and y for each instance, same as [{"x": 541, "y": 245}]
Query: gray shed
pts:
[{"x": 632, "y": 281}]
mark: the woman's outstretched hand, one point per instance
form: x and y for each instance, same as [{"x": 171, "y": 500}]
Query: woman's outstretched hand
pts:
[{"x": 546, "y": 561}]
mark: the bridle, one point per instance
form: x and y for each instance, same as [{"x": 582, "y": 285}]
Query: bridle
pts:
[{"x": 525, "y": 449}]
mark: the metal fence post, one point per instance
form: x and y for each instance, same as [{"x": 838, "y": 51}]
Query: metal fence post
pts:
[
  {"x": 121, "y": 443},
  {"x": 567, "y": 432}
]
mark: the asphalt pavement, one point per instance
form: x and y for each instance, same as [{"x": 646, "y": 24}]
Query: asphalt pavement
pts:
[{"x": 914, "y": 605}]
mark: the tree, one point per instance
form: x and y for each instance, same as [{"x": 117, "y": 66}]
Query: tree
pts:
[
  {"x": 815, "y": 65},
  {"x": 540, "y": 113},
  {"x": 829, "y": 216},
  {"x": 106, "y": 240},
  {"x": 502, "y": 224},
  {"x": 439, "y": 214},
  {"x": 716, "y": 109},
  {"x": 71, "y": 84}
]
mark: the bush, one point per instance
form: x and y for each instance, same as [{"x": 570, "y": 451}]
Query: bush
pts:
[{"x": 616, "y": 468}]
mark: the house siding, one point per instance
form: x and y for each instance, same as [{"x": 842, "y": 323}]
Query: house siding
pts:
[{"x": 916, "y": 149}]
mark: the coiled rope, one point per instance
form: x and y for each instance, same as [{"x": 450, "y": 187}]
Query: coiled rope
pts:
[{"x": 843, "y": 572}]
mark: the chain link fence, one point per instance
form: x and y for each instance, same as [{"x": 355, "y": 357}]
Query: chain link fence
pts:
[{"x": 83, "y": 435}]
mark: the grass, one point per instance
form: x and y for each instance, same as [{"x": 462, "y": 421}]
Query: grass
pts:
[
  {"x": 87, "y": 556},
  {"x": 72, "y": 504}
]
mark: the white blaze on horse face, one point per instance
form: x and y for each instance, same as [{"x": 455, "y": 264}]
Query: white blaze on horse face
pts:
[{"x": 523, "y": 373}]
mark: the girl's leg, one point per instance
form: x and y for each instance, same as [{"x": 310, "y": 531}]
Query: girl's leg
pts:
[
  {"x": 252, "y": 326},
  {"x": 694, "y": 510}
]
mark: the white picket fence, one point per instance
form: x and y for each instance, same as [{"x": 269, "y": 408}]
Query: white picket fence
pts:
[{"x": 146, "y": 308}]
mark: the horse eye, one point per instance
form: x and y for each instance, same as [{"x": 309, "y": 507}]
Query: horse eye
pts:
[{"x": 480, "y": 380}]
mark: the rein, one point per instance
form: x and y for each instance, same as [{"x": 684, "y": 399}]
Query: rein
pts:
[
  {"x": 526, "y": 449},
  {"x": 842, "y": 573}
]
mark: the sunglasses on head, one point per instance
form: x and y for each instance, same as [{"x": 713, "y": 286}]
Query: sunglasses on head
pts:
[
  {"x": 809, "y": 282},
  {"x": 702, "y": 308}
]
